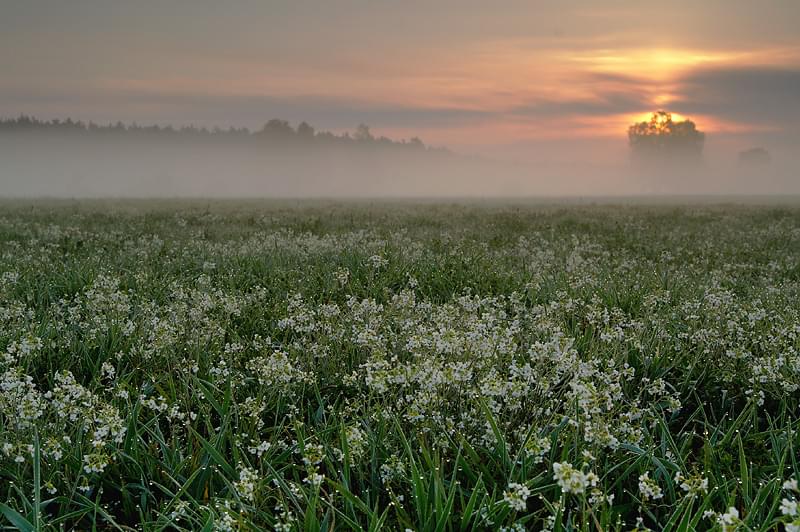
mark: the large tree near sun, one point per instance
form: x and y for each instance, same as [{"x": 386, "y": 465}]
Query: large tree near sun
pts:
[{"x": 662, "y": 140}]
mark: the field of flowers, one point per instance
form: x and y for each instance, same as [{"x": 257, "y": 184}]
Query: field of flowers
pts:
[{"x": 320, "y": 366}]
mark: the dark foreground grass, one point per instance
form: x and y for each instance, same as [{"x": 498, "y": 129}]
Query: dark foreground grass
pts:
[{"x": 322, "y": 366}]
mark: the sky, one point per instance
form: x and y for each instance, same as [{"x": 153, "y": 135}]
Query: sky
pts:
[{"x": 521, "y": 80}]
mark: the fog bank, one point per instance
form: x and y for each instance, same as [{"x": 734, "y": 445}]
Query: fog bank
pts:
[{"x": 45, "y": 165}]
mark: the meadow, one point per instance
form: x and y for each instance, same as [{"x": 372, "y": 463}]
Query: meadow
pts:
[{"x": 399, "y": 366}]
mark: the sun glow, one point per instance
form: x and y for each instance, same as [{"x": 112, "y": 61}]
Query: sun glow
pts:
[
  {"x": 661, "y": 119},
  {"x": 654, "y": 63}
]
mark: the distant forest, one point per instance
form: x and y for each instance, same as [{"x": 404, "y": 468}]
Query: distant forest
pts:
[
  {"x": 278, "y": 133},
  {"x": 69, "y": 158}
]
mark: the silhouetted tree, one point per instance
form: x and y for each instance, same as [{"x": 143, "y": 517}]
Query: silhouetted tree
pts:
[
  {"x": 277, "y": 129},
  {"x": 363, "y": 134},
  {"x": 662, "y": 141},
  {"x": 416, "y": 143},
  {"x": 305, "y": 131}
]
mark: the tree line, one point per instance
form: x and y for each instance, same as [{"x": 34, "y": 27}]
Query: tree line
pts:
[{"x": 276, "y": 132}]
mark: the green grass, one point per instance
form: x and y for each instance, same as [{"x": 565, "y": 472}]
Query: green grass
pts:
[{"x": 390, "y": 366}]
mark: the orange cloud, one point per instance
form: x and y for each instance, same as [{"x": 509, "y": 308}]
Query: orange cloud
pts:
[{"x": 495, "y": 79}]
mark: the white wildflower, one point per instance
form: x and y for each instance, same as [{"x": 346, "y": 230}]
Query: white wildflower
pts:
[
  {"x": 789, "y": 507},
  {"x": 729, "y": 520},
  {"x": 246, "y": 485},
  {"x": 517, "y": 496},
  {"x": 649, "y": 488},
  {"x": 572, "y": 480}
]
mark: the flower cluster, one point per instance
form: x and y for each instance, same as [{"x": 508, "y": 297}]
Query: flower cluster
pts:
[
  {"x": 572, "y": 480},
  {"x": 517, "y": 496}
]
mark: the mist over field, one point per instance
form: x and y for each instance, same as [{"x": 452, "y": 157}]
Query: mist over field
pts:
[
  {"x": 43, "y": 164},
  {"x": 70, "y": 167}
]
